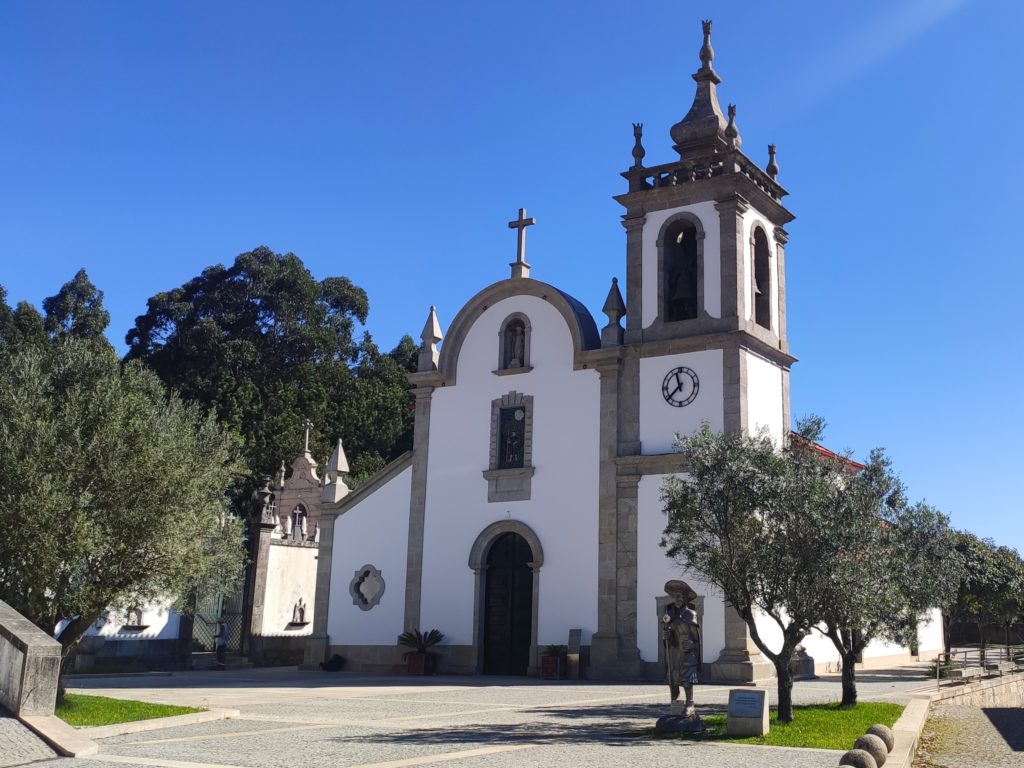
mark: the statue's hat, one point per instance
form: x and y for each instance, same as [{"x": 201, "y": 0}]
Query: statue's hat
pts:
[{"x": 676, "y": 588}]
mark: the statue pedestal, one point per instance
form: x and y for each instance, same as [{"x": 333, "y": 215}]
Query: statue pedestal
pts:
[{"x": 679, "y": 724}]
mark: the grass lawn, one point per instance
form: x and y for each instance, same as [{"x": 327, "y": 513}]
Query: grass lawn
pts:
[
  {"x": 825, "y": 726},
  {"x": 79, "y": 710}
]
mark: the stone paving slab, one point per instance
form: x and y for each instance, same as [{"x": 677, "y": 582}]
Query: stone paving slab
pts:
[
  {"x": 957, "y": 736},
  {"x": 290, "y": 718},
  {"x": 18, "y": 745}
]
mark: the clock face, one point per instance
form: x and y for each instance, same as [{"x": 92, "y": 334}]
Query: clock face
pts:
[{"x": 680, "y": 386}]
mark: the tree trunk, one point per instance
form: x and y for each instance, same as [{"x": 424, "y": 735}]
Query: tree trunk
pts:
[
  {"x": 785, "y": 680},
  {"x": 849, "y": 678},
  {"x": 68, "y": 640}
]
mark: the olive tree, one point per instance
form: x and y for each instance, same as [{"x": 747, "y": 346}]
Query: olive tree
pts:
[
  {"x": 112, "y": 490},
  {"x": 747, "y": 517}
]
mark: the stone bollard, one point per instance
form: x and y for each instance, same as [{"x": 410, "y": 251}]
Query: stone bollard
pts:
[
  {"x": 883, "y": 732},
  {"x": 873, "y": 744},
  {"x": 857, "y": 758}
]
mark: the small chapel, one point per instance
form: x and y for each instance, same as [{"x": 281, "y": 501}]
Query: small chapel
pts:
[{"x": 528, "y": 512}]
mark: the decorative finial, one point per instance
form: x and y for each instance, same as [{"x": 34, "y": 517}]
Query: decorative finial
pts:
[
  {"x": 732, "y": 134},
  {"x": 280, "y": 475},
  {"x": 615, "y": 308},
  {"x": 430, "y": 336},
  {"x": 702, "y": 131},
  {"x": 334, "y": 478},
  {"x": 638, "y": 148},
  {"x": 707, "y": 53},
  {"x": 773, "y": 166},
  {"x": 519, "y": 267}
]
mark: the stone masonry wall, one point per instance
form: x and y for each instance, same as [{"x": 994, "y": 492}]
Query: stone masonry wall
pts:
[{"x": 1005, "y": 691}]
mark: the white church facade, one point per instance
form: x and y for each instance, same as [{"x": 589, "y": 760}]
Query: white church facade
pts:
[{"x": 530, "y": 503}]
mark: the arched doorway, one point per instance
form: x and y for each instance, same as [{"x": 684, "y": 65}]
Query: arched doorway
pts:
[{"x": 508, "y": 606}]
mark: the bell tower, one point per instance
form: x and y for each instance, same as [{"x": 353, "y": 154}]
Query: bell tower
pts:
[
  {"x": 705, "y": 261},
  {"x": 704, "y": 343}
]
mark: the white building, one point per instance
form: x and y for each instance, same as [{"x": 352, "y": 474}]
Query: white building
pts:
[{"x": 529, "y": 505}]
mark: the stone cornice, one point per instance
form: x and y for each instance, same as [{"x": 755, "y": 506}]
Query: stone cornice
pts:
[{"x": 649, "y": 464}]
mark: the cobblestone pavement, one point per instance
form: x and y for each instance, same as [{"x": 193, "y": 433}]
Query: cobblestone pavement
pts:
[
  {"x": 971, "y": 737},
  {"x": 291, "y": 718},
  {"x": 18, "y": 745}
]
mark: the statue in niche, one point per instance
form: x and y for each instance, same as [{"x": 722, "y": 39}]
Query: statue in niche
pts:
[
  {"x": 681, "y": 636},
  {"x": 512, "y": 435},
  {"x": 299, "y": 612},
  {"x": 515, "y": 343}
]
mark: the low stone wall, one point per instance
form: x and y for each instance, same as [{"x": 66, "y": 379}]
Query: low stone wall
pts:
[
  {"x": 29, "y": 666},
  {"x": 1004, "y": 691},
  {"x": 277, "y": 650}
]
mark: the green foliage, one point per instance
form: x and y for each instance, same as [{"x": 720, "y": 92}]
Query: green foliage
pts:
[
  {"x": 990, "y": 584},
  {"x": 820, "y": 726},
  {"x": 77, "y": 310},
  {"x": 556, "y": 650},
  {"x": 91, "y": 711},
  {"x": 418, "y": 641},
  {"x": 114, "y": 491},
  {"x": 265, "y": 345}
]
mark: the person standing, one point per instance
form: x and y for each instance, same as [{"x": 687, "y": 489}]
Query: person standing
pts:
[{"x": 220, "y": 641}]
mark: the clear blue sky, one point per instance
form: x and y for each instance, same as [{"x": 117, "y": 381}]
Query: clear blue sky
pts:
[{"x": 390, "y": 142}]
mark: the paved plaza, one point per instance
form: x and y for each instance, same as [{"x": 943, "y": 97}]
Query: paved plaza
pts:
[
  {"x": 292, "y": 718},
  {"x": 972, "y": 737}
]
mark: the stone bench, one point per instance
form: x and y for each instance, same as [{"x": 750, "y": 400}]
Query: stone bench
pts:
[
  {"x": 966, "y": 673},
  {"x": 1001, "y": 666}
]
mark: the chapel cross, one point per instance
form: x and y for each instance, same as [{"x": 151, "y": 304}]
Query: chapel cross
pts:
[
  {"x": 307, "y": 425},
  {"x": 519, "y": 267}
]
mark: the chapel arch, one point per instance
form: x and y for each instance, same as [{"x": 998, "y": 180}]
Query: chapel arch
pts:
[
  {"x": 506, "y": 559},
  {"x": 514, "y": 343},
  {"x": 762, "y": 279},
  {"x": 681, "y": 268}
]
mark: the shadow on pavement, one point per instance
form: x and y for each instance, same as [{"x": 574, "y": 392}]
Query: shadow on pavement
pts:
[
  {"x": 1010, "y": 724},
  {"x": 613, "y": 725}
]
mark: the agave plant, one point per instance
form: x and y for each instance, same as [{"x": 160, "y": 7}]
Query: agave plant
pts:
[{"x": 418, "y": 641}]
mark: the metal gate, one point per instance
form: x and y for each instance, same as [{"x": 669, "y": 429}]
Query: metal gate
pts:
[{"x": 208, "y": 610}]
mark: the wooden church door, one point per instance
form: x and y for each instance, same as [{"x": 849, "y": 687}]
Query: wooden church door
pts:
[{"x": 508, "y": 606}]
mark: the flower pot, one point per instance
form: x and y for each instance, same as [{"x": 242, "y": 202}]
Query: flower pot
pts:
[
  {"x": 552, "y": 667},
  {"x": 420, "y": 663}
]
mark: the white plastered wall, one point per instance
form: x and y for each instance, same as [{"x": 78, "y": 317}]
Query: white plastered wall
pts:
[
  {"x": 291, "y": 575},
  {"x": 659, "y": 421},
  {"x": 712, "y": 258},
  {"x": 160, "y": 620},
  {"x": 562, "y": 510},
  {"x": 929, "y": 634},
  {"x": 654, "y": 568},
  {"x": 374, "y": 531},
  {"x": 826, "y": 657},
  {"x": 764, "y": 397},
  {"x": 751, "y": 219}
]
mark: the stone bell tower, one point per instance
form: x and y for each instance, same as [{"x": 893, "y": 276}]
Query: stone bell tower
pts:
[{"x": 704, "y": 342}]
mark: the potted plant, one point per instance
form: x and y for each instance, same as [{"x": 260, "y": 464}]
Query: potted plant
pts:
[
  {"x": 552, "y": 662},
  {"x": 418, "y": 661}
]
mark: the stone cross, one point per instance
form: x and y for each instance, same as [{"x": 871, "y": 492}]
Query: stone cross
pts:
[
  {"x": 519, "y": 267},
  {"x": 307, "y": 425}
]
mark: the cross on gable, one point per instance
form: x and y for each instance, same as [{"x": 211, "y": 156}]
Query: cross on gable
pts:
[{"x": 519, "y": 267}]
